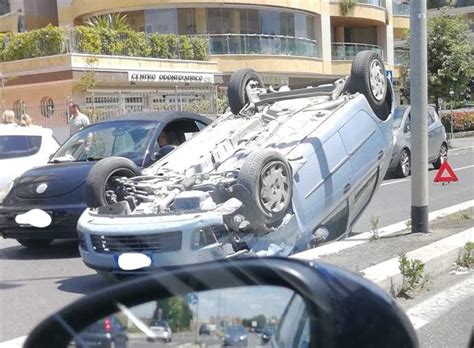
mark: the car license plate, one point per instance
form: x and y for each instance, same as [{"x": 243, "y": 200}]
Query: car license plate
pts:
[
  {"x": 34, "y": 218},
  {"x": 132, "y": 261}
]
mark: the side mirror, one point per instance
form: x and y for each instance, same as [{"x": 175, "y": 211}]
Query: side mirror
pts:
[{"x": 310, "y": 305}]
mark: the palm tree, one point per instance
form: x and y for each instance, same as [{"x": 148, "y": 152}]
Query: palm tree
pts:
[{"x": 114, "y": 21}]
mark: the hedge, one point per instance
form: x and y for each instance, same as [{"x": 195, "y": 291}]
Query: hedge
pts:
[
  {"x": 55, "y": 40},
  {"x": 463, "y": 120}
]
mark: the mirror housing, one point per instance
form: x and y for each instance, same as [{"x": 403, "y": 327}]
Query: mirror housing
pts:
[{"x": 340, "y": 304}]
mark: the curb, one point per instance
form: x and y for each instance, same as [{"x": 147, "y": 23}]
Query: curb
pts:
[{"x": 438, "y": 258}]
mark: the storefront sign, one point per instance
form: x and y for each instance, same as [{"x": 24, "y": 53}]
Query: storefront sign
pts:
[{"x": 169, "y": 77}]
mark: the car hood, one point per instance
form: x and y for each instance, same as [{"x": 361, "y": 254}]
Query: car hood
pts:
[{"x": 60, "y": 178}]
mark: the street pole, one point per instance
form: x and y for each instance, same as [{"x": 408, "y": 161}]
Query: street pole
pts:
[
  {"x": 451, "y": 93},
  {"x": 419, "y": 112}
]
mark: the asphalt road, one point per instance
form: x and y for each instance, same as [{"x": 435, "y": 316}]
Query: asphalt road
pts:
[{"x": 34, "y": 284}]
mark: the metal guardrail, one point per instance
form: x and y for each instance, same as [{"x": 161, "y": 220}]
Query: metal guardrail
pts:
[
  {"x": 401, "y": 57},
  {"x": 379, "y": 3},
  {"x": 348, "y": 50},
  {"x": 401, "y": 9},
  {"x": 262, "y": 44}
]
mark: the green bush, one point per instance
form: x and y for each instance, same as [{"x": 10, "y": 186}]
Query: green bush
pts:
[
  {"x": 200, "y": 48},
  {"x": 20, "y": 46},
  {"x": 135, "y": 44},
  {"x": 463, "y": 120},
  {"x": 110, "y": 42},
  {"x": 87, "y": 40},
  {"x": 48, "y": 40},
  {"x": 172, "y": 43},
  {"x": 158, "y": 45},
  {"x": 185, "y": 48}
]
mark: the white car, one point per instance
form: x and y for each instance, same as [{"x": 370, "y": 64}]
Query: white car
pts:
[{"x": 22, "y": 148}]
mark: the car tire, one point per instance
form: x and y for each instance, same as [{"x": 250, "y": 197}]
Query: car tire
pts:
[
  {"x": 368, "y": 78},
  {"x": 236, "y": 88},
  {"x": 35, "y": 243},
  {"x": 404, "y": 164},
  {"x": 443, "y": 155},
  {"x": 98, "y": 180},
  {"x": 267, "y": 170}
]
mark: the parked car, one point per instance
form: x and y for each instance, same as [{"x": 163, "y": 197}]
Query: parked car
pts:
[
  {"x": 22, "y": 148},
  {"x": 267, "y": 333},
  {"x": 282, "y": 172},
  {"x": 318, "y": 305},
  {"x": 104, "y": 333},
  {"x": 45, "y": 202},
  {"x": 400, "y": 164},
  {"x": 162, "y": 331},
  {"x": 235, "y": 335},
  {"x": 204, "y": 330}
]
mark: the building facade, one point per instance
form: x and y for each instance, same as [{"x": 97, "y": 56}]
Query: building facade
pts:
[{"x": 287, "y": 41}]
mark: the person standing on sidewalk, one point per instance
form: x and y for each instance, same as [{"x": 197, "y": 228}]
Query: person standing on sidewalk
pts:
[{"x": 78, "y": 120}]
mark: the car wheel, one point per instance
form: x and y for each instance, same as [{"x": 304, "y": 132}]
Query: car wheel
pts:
[
  {"x": 100, "y": 180},
  {"x": 404, "y": 164},
  {"x": 267, "y": 175},
  {"x": 35, "y": 243},
  {"x": 443, "y": 156},
  {"x": 236, "y": 89},
  {"x": 368, "y": 78}
]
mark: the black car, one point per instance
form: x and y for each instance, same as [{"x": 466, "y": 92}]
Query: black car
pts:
[
  {"x": 204, "y": 330},
  {"x": 267, "y": 333},
  {"x": 105, "y": 333},
  {"x": 235, "y": 335},
  {"x": 57, "y": 190}
]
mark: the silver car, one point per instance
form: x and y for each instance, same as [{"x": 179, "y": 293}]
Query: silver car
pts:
[
  {"x": 437, "y": 142},
  {"x": 282, "y": 171}
]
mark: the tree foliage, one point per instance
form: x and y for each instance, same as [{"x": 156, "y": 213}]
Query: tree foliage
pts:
[
  {"x": 176, "y": 312},
  {"x": 450, "y": 57},
  {"x": 115, "y": 21}
]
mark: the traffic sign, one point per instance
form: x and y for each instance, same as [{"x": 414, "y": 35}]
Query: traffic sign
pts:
[
  {"x": 192, "y": 298},
  {"x": 389, "y": 74},
  {"x": 441, "y": 177}
]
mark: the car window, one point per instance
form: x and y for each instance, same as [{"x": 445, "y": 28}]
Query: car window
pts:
[
  {"x": 398, "y": 116},
  {"x": 125, "y": 138},
  {"x": 12, "y": 146},
  {"x": 177, "y": 132},
  {"x": 431, "y": 116}
]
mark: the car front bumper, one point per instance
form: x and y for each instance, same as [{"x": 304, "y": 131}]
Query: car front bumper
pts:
[
  {"x": 104, "y": 239},
  {"x": 63, "y": 224}
]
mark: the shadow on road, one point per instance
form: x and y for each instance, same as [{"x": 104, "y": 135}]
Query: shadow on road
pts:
[
  {"x": 57, "y": 250},
  {"x": 83, "y": 284}
]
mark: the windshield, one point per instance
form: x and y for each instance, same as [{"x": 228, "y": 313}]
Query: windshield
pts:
[
  {"x": 398, "y": 116},
  {"x": 122, "y": 138},
  {"x": 12, "y": 146}
]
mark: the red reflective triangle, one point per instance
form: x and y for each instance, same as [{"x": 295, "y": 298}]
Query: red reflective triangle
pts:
[{"x": 440, "y": 175}]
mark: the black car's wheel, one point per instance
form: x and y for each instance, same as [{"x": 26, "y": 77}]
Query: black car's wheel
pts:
[
  {"x": 368, "y": 78},
  {"x": 35, "y": 243},
  {"x": 101, "y": 179},
  {"x": 266, "y": 174},
  {"x": 443, "y": 156},
  {"x": 404, "y": 164},
  {"x": 236, "y": 89}
]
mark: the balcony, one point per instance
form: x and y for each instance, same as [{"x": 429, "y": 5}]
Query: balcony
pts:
[
  {"x": 437, "y": 4},
  {"x": 261, "y": 44},
  {"x": 348, "y": 50},
  {"x": 401, "y": 57}
]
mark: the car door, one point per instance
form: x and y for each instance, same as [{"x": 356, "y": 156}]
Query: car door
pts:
[
  {"x": 322, "y": 184},
  {"x": 436, "y": 134}
]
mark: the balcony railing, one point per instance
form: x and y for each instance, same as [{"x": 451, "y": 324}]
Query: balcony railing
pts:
[
  {"x": 401, "y": 57},
  {"x": 379, "y": 3},
  {"x": 262, "y": 44},
  {"x": 401, "y": 9},
  {"x": 348, "y": 50}
]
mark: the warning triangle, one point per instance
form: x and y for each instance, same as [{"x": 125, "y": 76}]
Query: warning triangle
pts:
[{"x": 441, "y": 177}]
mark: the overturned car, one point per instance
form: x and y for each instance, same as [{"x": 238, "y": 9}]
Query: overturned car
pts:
[{"x": 283, "y": 171}]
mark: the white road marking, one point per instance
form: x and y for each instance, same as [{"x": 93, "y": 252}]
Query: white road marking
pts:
[
  {"x": 435, "y": 306},
  {"x": 14, "y": 343},
  {"x": 461, "y": 148},
  {"x": 461, "y": 168},
  {"x": 362, "y": 238}
]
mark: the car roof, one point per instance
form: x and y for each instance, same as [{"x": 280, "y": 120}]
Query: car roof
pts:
[
  {"x": 162, "y": 116},
  {"x": 30, "y": 130}
]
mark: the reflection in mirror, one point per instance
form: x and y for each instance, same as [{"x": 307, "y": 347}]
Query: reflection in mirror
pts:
[{"x": 253, "y": 316}]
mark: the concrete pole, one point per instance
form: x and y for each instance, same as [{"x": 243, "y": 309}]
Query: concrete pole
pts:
[{"x": 419, "y": 113}]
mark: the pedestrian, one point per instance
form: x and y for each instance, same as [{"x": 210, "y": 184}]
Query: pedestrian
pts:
[
  {"x": 78, "y": 120},
  {"x": 26, "y": 121},
  {"x": 8, "y": 118}
]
